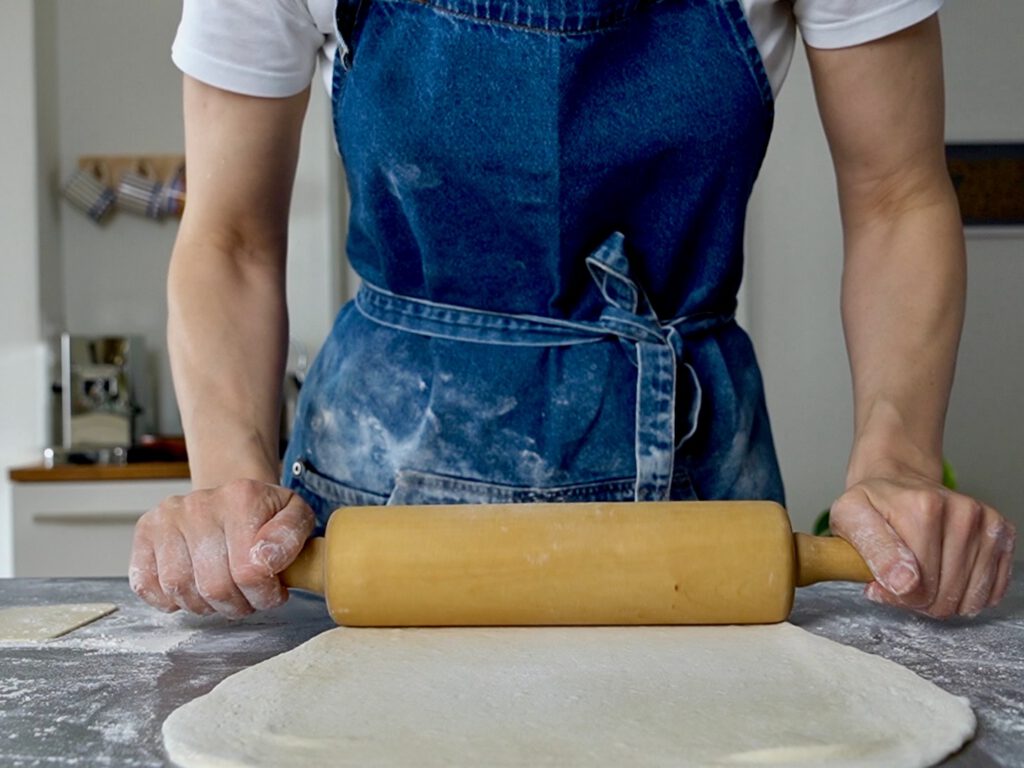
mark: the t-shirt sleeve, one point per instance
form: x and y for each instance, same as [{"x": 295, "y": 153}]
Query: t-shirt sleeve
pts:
[
  {"x": 842, "y": 23},
  {"x": 254, "y": 47}
]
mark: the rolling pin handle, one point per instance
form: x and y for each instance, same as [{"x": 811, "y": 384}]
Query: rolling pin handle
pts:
[
  {"x": 828, "y": 558},
  {"x": 307, "y": 572}
]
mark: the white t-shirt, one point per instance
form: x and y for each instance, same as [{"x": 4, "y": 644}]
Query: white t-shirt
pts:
[{"x": 273, "y": 47}]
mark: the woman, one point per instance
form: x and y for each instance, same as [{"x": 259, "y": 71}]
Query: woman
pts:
[{"x": 547, "y": 215}]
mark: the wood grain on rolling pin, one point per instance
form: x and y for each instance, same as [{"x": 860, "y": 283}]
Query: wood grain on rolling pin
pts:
[{"x": 719, "y": 562}]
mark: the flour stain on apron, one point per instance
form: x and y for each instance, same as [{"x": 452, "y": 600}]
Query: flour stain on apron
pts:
[{"x": 547, "y": 209}]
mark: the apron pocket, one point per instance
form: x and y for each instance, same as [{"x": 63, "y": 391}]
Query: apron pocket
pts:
[
  {"x": 325, "y": 494},
  {"x": 416, "y": 487}
]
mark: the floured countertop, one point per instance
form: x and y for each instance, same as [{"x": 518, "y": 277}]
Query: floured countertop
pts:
[{"x": 98, "y": 695}]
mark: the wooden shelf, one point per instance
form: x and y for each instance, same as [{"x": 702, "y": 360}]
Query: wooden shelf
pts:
[{"x": 143, "y": 470}]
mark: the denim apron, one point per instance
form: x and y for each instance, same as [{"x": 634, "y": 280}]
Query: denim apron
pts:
[{"x": 547, "y": 208}]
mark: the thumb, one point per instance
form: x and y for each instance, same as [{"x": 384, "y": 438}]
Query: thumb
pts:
[
  {"x": 279, "y": 541},
  {"x": 891, "y": 561}
]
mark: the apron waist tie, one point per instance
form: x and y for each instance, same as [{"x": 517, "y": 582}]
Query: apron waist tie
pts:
[{"x": 654, "y": 347}]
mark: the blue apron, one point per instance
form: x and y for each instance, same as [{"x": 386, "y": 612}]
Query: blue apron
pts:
[{"x": 547, "y": 208}]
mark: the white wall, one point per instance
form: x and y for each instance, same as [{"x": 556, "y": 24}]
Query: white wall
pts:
[
  {"x": 984, "y": 49},
  {"x": 794, "y": 262},
  {"x": 119, "y": 93},
  {"x": 794, "y": 267},
  {"x": 22, "y": 355}
]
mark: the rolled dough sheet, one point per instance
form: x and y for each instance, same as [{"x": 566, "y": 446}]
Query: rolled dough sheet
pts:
[
  {"x": 35, "y": 623},
  {"x": 571, "y": 696}
]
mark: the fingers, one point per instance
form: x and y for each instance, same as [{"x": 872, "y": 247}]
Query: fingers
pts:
[
  {"x": 142, "y": 575},
  {"x": 258, "y": 557},
  {"x": 219, "y": 550},
  {"x": 213, "y": 577},
  {"x": 161, "y": 567},
  {"x": 962, "y": 548},
  {"x": 892, "y": 562},
  {"x": 979, "y": 531},
  {"x": 978, "y": 591},
  {"x": 1005, "y": 567},
  {"x": 917, "y": 514},
  {"x": 280, "y": 540},
  {"x": 960, "y": 524},
  {"x": 252, "y": 556},
  {"x": 174, "y": 571},
  {"x": 974, "y": 540}
]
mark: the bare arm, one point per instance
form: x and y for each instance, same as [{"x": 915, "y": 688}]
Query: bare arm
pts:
[
  {"x": 227, "y": 321},
  {"x": 220, "y": 547},
  {"x": 903, "y": 294}
]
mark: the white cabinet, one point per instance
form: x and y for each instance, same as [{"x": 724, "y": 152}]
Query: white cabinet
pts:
[{"x": 81, "y": 528}]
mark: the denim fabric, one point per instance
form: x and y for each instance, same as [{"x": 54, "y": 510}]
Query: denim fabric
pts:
[{"x": 547, "y": 210}]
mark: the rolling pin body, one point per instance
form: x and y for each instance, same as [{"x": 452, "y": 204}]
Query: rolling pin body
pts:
[{"x": 568, "y": 564}]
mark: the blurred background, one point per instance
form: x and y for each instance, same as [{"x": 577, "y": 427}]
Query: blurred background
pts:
[{"x": 95, "y": 80}]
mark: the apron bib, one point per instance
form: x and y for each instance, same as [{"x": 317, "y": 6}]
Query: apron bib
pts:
[{"x": 547, "y": 208}]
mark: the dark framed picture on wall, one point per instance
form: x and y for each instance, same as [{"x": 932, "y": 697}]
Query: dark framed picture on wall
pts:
[{"x": 989, "y": 183}]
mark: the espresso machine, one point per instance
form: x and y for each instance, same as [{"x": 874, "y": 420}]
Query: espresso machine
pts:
[{"x": 104, "y": 399}]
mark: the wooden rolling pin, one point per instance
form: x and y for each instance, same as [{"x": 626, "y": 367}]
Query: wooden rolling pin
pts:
[{"x": 721, "y": 562}]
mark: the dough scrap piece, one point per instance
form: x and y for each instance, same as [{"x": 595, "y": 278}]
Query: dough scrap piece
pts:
[
  {"x": 571, "y": 696},
  {"x": 35, "y": 623}
]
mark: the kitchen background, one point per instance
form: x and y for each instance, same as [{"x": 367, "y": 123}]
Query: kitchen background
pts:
[{"x": 96, "y": 78}]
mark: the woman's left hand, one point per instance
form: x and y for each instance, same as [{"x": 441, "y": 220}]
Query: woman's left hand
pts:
[{"x": 932, "y": 550}]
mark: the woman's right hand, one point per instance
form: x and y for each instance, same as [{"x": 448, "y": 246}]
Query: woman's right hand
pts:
[{"x": 219, "y": 550}]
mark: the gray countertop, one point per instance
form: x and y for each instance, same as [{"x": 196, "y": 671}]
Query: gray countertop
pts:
[{"x": 99, "y": 695}]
